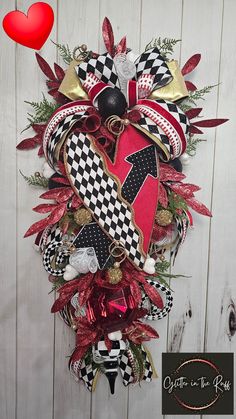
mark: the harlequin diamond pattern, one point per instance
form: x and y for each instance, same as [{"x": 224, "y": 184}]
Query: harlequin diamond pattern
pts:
[
  {"x": 151, "y": 62},
  {"x": 103, "y": 67},
  {"x": 99, "y": 193}
]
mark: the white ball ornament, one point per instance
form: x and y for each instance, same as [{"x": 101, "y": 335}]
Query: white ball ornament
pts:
[
  {"x": 149, "y": 266},
  {"x": 115, "y": 335},
  {"x": 185, "y": 159},
  {"x": 70, "y": 273}
]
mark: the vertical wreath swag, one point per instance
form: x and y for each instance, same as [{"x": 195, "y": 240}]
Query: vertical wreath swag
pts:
[{"x": 115, "y": 140}]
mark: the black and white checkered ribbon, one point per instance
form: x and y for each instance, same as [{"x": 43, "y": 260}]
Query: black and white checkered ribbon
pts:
[
  {"x": 85, "y": 371},
  {"x": 127, "y": 367},
  {"x": 103, "y": 67},
  {"x": 154, "y": 313},
  {"x": 59, "y": 125},
  {"x": 100, "y": 192},
  {"x": 182, "y": 224},
  {"x": 150, "y": 62},
  {"x": 54, "y": 256},
  {"x": 156, "y": 125}
]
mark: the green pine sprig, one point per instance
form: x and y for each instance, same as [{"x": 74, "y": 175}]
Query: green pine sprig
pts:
[
  {"x": 57, "y": 284},
  {"x": 163, "y": 275},
  {"x": 166, "y": 45},
  {"x": 192, "y": 144},
  {"x": 43, "y": 111},
  {"x": 138, "y": 357},
  {"x": 200, "y": 93},
  {"x": 36, "y": 180},
  {"x": 176, "y": 202},
  {"x": 65, "y": 52}
]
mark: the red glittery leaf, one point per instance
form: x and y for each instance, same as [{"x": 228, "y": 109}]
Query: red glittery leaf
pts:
[
  {"x": 108, "y": 343},
  {"x": 154, "y": 295},
  {"x": 140, "y": 332},
  {"x": 39, "y": 129},
  {"x": 163, "y": 198},
  {"x": 53, "y": 84},
  {"x": 53, "y": 92},
  {"x": 136, "y": 292},
  {"x": 57, "y": 213},
  {"x": 69, "y": 287},
  {"x": 78, "y": 354},
  {"x": 53, "y": 218},
  {"x": 121, "y": 47},
  {"x": 194, "y": 130},
  {"x": 84, "y": 296},
  {"x": 27, "y": 144},
  {"x": 62, "y": 180},
  {"x": 60, "y": 303},
  {"x": 38, "y": 226},
  {"x": 186, "y": 190},
  {"x": 57, "y": 193},
  {"x": 51, "y": 194},
  {"x": 169, "y": 173},
  {"x": 60, "y": 73},
  {"x": 62, "y": 168},
  {"x": 108, "y": 36},
  {"x": 44, "y": 208},
  {"x": 65, "y": 194},
  {"x": 45, "y": 67},
  {"x": 76, "y": 202},
  {"x": 191, "y": 64},
  {"x": 198, "y": 207},
  {"x": 148, "y": 330},
  {"x": 65, "y": 294},
  {"x": 159, "y": 232},
  {"x": 40, "y": 151},
  {"x": 190, "y": 86},
  {"x": 193, "y": 113},
  {"x": 208, "y": 123}
]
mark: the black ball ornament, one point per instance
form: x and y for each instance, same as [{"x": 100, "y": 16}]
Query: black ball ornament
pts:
[
  {"x": 111, "y": 101},
  {"x": 176, "y": 164}
]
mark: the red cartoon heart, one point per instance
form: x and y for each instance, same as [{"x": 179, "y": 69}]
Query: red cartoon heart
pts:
[{"x": 33, "y": 29}]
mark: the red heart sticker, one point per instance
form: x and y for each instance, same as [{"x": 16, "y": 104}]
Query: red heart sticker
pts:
[{"x": 31, "y": 30}]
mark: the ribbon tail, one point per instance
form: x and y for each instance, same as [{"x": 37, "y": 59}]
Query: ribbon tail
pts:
[
  {"x": 149, "y": 371},
  {"x": 126, "y": 368}
]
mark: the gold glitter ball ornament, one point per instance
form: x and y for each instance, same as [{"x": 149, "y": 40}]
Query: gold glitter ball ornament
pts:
[
  {"x": 82, "y": 216},
  {"x": 114, "y": 275},
  {"x": 164, "y": 217}
]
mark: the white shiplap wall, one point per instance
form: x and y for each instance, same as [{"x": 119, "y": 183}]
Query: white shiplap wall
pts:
[{"x": 34, "y": 380}]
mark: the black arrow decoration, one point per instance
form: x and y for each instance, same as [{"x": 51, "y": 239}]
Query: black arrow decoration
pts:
[{"x": 144, "y": 163}]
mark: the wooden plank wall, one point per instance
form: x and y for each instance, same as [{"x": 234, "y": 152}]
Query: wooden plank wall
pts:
[{"x": 34, "y": 380}]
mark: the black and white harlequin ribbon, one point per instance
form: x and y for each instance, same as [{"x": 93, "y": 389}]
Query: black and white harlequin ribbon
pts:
[
  {"x": 167, "y": 122},
  {"x": 154, "y": 313},
  {"x": 182, "y": 224},
  {"x": 149, "y": 63},
  {"x": 53, "y": 255},
  {"x": 84, "y": 371},
  {"x": 100, "y": 193},
  {"x": 103, "y": 67},
  {"x": 117, "y": 358},
  {"x": 127, "y": 367},
  {"x": 60, "y": 123}
]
